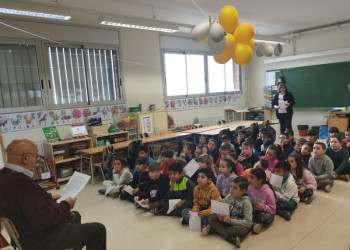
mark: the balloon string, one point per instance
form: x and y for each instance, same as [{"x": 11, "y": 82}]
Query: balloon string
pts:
[{"x": 200, "y": 9}]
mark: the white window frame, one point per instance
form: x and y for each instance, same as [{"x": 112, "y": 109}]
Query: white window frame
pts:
[{"x": 205, "y": 54}]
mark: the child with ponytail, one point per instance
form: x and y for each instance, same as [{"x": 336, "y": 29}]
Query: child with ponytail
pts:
[
  {"x": 303, "y": 177},
  {"x": 272, "y": 156},
  {"x": 263, "y": 199}
]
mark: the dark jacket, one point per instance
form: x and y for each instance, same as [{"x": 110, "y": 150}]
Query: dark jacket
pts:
[
  {"x": 287, "y": 97},
  {"x": 154, "y": 190}
]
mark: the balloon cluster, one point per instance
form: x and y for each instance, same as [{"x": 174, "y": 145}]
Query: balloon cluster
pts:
[
  {"x": 267, "y": 49},
  {"x": 227, "y": 38}
]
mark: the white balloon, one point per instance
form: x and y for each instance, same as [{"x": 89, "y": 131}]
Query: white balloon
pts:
[
  {"x": 200, "y": 32},
  {"x": 258, "y": 51},
  {"x": 216, "y": 32},
  {"x": 278, "y": 50},
  {"x": 267, "y": 49},
  {"x": 217, "y": 48}
]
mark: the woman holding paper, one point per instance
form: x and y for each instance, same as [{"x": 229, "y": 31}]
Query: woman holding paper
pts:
[{"x": 283, "y": 102}]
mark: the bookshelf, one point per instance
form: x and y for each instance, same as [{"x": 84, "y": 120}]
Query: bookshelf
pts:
[
  {"x": 112, "y": 138},
  {"x": 65, "y": 154},
  {"x": 45, "y": 173}
]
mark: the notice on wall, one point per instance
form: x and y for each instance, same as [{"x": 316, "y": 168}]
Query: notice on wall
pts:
[{"x": 146, "y": 124}]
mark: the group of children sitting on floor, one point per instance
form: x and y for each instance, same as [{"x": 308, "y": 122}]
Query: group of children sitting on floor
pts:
[{"x": 236, "y": 173}]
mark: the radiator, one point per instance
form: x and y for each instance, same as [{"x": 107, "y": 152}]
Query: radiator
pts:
[{"x": 210, "y": 119}]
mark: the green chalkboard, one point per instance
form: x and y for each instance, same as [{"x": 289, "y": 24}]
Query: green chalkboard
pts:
[{"x": 320, "y": 86}]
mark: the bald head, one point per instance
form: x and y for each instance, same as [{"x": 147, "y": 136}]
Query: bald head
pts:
[{"x": 19, "y": 152}]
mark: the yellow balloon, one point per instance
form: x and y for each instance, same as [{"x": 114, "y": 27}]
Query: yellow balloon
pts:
[
  {"x": 205, "y": 41},
  {"x": 250, "y": 43},
  {"x": 228, "y": 18},
  {"x": 244, "y": 32},
  {"x": 243, "y": 54},
  {"x": 222, "y": 58},
  {"x": 230, "y": 46}
]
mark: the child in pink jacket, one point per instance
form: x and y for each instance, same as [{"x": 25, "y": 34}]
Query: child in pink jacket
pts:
[
  {"x": 263, "y": 199},
  {"x": 272, "y": 156},
  {"x": 303, "y": 177}
]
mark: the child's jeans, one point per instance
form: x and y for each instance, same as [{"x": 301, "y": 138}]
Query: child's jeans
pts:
[
  {"x": 285, "y": 205},
  {"x": 263, "y": 217},
  {"x": 164, "y": 203},
  {"x": 184, "y": 214},
  {"x": 226, "y": 230}
]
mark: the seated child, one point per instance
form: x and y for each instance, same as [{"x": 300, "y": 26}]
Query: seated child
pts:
[
  {"x": 303, "y": 177},
  {"x": 240, "y": 220},
  {"x": 167, "y": 160},
  {"x": 287, "y": 196},
  {"x": 227, "y": 174},
  {"x": 272, "y": 156},
  {"x": 203, "y": 193},
  {"x": 203, "y": 140},
  {"x": 227, "y": 138},
  {"x": 305, "y": 152},
  {"x": 247, "y": 159},
  {"x": 204, "y": 149},
  {"x": 204, "y": 161},
  {"x": 234, "y": 158},
  {"x": 180, "y": 188},
  {"x": 138, "y": 179},
  {"x": 264, "y": 204},
  {"x": 143, "y": 152},
  {"x": 189, "y": 151},
  {"x": 290, "y": 136},
  {"x": 340, "y": 158},
  {"x": 267, "y": 141},
  {"x": 312, "y": 135},
  {"x": 213, "y": 150},
  {"x": 299, "y": 143},
  {"x": 240, "y": 139},
  {"x": 259, "y": 140},
  {"x": 346, "y": 140},
  {"x": 263, "y": 165},
  {"x": 182, "y": 144},
  {"x": 225, "y": 149},
  {"x": 121, "y": 176},
  {"x": 286, "y": 147},
  {"x": 331, "y": 131},
  {"x": 321, "y": 166},
  {"x": 163, "y": 147},
  {"x": 155, "y": 187}
]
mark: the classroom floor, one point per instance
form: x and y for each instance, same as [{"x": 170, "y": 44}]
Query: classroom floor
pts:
[{"x": 324, "y": 224}]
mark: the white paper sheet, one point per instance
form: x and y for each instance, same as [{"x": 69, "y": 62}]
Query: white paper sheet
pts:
[
  {"x": 195, "y": 222},
  {"x": 129, "y": 190},
  {"x": 283, "y": 107},
  {"x": 172, "y": 204},
  {"x": 144, "y": 206},
  {"x": 276, "y": 180},
  {"x": 109, "y": 189},
  {"x": 75, "y": 184},
  {"x": 220, "y": 207},
  {"x": 191, "y": 168}
]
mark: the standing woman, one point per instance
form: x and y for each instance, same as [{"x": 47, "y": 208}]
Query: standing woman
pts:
[{"x": 284, "y": 114}]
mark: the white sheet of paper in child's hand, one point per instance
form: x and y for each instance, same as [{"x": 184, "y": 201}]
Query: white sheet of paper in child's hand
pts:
[
  {"x": 195, "y": 222},
  {"x": 172, "y": 204},
  {"x": 276, "y": 180},
  {"x": 220, "y": 207},
  {"x": 129, "y": 189},
  {"x": 191, "y": 168}
]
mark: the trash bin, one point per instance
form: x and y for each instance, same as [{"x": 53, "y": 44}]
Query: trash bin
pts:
[
  {"x": 323, "y": 132},
  {"x": 302, "y": 129}
]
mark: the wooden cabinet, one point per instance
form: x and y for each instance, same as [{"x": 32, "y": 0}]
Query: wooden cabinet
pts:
[
  {"x": 341, "y": 120},
  {"x": 109, "y": 138},
  {"x": 66, "y": 155},
  {"x": 250, "y": 115},
  {"x": 153, "y": 122}
]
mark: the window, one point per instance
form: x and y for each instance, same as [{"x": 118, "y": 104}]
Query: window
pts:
[
  {"x": 19, "y": 76},
  {"x": 68, "y": 70},
  {"x": 186, "y": 74}
]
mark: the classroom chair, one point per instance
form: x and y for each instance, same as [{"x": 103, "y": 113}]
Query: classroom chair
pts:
[
  {"x": 12, "y": 232},
  {"x": 100, "y": 166}
]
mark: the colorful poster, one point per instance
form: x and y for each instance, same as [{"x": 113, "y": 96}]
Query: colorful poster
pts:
[
  {"x": 211, "y": 101},
  {"x": 206, "y": 102},
  {"x": 77, "y": 115},
  {"x": 196, "y": 103},
  {"x": 5, "y": 124},
  {"x": 173, "y": 104},
  {"x": 229, "y": 99},
  {"x": 51, "y": 133},
  {"x": 201, "y": 102},
  {"x": 115, "y": 110},
  {"x": 16, "y": 121},
  {"x": 86, "y": 113},
  {"x": 54, "y": 117},
  {"x": 220, "y": 100},
  {"x": 215, "y": 101},
  {"x": 146, "y": 124},
  {"x": 123, "y": 111},
  {"x": 29, "y": 120},
  {"x": 189, "y": 103},
  {"x": 42, "y": 118},
  {"x": 179, "y": 104},
  {"x": 66, "y": 116},
  {"x": 102, "y": 112},
  {"x": 167, "y": 105}
]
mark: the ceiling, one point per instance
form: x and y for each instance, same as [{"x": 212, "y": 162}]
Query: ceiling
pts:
[{"x": 270, "y": 17}]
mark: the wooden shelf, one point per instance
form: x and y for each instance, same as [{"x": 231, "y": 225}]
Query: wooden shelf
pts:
[
  {"x": 120, "y": 137},
  {"x": 63, "y": 179},
  {"x": 68, "y": 160}
]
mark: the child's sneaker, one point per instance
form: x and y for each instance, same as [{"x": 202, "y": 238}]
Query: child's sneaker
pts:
[
  {"x": 285, "y": 214},
  {"x": 137, "y": 205},
  {"x": 183, "y": 221},
  {"x": 207, "y": 230},
  {"x": 344, "y": 177},
  {"x": 257, "y": 228},
  {"x": 326, "y": 188},
  {"x": 235, "y": 241},
  {"x": 102, "y": 191},
  {"x": 160, "y": 211},
  {"x": 307, "y": 200},
  {"x": 115, "y": 194}
]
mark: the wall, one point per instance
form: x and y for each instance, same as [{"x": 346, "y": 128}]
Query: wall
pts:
[{"x": 316, "y": 41}]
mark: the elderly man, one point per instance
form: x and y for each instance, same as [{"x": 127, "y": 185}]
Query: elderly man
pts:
[{"x": 41, "y": 222}]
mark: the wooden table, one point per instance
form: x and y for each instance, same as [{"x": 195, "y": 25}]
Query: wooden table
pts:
[{"x": 164, "y": 137}]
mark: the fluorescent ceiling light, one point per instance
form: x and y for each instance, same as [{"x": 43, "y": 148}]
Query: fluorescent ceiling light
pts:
[
  {"x": 138, "y": 23},
  {"x": 23, "y": 9},
  {"x": 269, "y": 39}
]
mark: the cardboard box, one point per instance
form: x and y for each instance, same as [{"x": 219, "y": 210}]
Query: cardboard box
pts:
[
  {"x": 340, "y": 122},
  {"x": 97, "y": 130}
]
